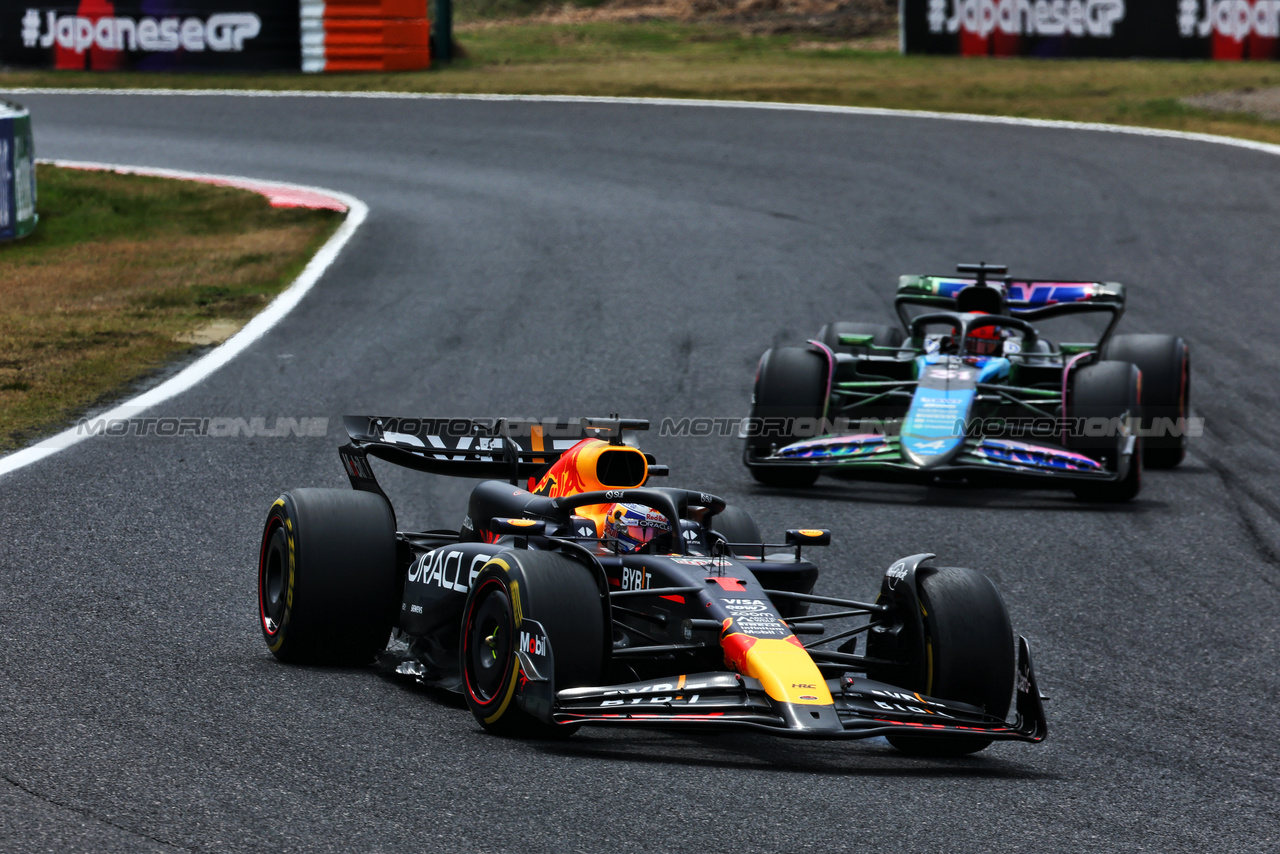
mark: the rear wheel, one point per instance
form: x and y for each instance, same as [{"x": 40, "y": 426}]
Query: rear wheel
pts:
[
  {"x": 562, "y": 596},
  {"x": 1165, "y": 362},
  {"x": 968, "y": 654},
  {"x": 882, "y": 335},
  {"x": 327, "y": 581},
  {"x": 789, "y": 400},
  {"x": 1106, "y": 394},
  {"x": 739, "y": 528}
]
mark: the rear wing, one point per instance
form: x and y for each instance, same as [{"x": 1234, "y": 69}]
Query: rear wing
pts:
[
  {"x": 514, "y": 449},
  {"x": 1028, "y": 299}
]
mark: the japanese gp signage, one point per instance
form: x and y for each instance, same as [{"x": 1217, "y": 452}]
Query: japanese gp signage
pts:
[
  {"x": 17, "y": 173},
  {"x": 151, "y": 35},
  {"x": 1184, "y": 29}
]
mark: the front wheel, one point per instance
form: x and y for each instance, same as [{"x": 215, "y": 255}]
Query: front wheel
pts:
[
  {"x": 546, "y": 605},
  {"x": 968, "y": 653},
  {"x": 789, "y": 401},
  {"x": 1106, "y": 400},
  {"x": 327, "y": 581},
  {"x": 1165, "y": 362}
]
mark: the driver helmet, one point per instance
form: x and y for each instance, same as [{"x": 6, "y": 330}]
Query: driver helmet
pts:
[
  {"x": 635, "y": 528},
  {"x": 984, "y": 341}
]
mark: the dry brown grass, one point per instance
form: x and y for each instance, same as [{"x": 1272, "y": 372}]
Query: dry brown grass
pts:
[{"x": 95, "y": 300}]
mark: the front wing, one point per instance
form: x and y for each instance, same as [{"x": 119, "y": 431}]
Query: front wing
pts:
[
  {"x": 862, "y": 708},
  {"x": 981, "y": 459}
]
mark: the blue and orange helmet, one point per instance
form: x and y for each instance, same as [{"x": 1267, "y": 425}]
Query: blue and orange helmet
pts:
[{"x": 635, "y": 528}]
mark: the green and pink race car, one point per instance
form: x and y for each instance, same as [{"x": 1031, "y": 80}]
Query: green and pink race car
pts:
[{"x": 970, "y": 388}]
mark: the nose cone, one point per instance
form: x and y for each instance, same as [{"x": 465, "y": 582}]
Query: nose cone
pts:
[
  {"x": 933, "y": 431},
  {"x": 818, "y": 720}
]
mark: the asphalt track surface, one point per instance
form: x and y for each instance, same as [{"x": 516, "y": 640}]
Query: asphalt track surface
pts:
[{"x": 534, "y": 259}]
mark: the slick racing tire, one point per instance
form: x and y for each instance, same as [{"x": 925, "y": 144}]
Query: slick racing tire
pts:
[
  {"x": 883, "y": 335},
  {"x": 791, "y": 384},
  {"x": 739, "y": 528},
  {"x": 968, "y": 655},
  {"x": 1165, "y": 362},
  {"x": 327, "y": 582},
  {"x": 516, "y": 586},
  {"x": 1107, "y": 390}
]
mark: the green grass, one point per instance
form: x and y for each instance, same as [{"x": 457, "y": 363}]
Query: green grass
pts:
[{"x": 119, "y": 274}]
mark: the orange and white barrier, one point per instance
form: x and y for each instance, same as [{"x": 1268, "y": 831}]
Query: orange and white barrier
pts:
[{"x": 365, "y": 35}]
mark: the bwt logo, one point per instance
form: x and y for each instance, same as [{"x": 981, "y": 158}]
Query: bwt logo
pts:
[
  {"x": 1235, "y": 19},
  {"x": 1026, "y": 17},
  {"x": 225, "y": 33}
]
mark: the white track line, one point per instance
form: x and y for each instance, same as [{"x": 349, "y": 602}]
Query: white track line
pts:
[
  {"x": 1059, "y": 124},
  {"x": 358, "y": 210},
  {"x": 233, "y": 346}
]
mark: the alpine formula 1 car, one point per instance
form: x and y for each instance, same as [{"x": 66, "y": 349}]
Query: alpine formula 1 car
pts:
[
  {"x": 969, "y": 390},
  {"x": 575, "y": 593}
]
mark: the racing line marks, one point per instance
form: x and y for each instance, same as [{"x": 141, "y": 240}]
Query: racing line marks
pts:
[
  {"x": 357, "y": 210},
  {"x": 89, "y": 814}
]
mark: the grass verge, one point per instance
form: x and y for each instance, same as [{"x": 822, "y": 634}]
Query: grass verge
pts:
[
  {"x": 124, "y": 273},
  {"x": 718, "y": 60}
]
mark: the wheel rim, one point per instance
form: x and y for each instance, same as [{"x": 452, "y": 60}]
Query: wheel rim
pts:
[
  {"x": 273, "y": 568},
  {"x": 489, "y": 639}
]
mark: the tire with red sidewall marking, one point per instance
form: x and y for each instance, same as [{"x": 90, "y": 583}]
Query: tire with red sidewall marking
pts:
[
  {"x": 560, "y": 594},
  {"x": 327, "y": 582}
]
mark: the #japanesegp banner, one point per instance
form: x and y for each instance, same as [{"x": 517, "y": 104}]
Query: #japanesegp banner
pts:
[
  {"x": 151, "y": 35},
  {"x": 1181, "y": 29}
]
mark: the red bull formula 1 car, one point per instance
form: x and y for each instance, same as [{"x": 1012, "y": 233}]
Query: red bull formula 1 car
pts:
[
  {"x": 968, "y": 389},
  {"x": 574, "y": 592}
]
